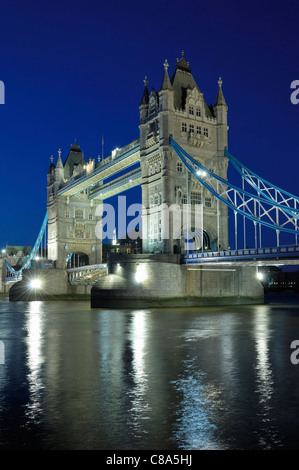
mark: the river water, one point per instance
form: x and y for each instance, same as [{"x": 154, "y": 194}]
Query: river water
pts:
[{"x": 194, "y": 378}]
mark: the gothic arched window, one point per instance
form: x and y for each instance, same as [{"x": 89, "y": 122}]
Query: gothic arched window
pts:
[{"x": 79, "y": 214}]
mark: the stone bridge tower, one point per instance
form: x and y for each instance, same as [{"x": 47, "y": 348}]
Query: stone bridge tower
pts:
[
  {"x": 71, "y": 220},
  {"x": 179, "y": 109}
]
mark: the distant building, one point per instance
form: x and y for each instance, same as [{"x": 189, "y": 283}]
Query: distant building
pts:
[
  {"x": 19, "y": 251},
  {"x": 277, "y": 280},
  {"x": 125, "y": 245}
]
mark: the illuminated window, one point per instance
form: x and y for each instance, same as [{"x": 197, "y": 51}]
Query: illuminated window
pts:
[
  {"x": 208, "y": 202},
  {"x": 184, "y": 199},
  {"x": 195, "y": 198},
  {"x": 79, "y": 214}
]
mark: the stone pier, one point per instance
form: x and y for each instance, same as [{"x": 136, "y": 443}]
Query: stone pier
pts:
[{"x": 159, "y": 280}]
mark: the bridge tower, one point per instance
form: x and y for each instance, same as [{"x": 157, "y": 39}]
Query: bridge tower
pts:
[
  {"x": 71, "y": 220},
  {"x": 179, "y": 109}
]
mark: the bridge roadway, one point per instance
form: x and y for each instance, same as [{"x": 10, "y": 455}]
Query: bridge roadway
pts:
[
  {"x": 89, "y": 275},
  {"x": 125, "y": 158},
  {"x": 287, "y": 255}
]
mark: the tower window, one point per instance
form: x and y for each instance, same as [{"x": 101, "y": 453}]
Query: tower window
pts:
[
  {"x": 208, "y": 202},
  {"x": 184, "y": 199},
  {"x": 79, "y": 214},
  {"x": 195, "y": 198},
  {"x": 184, "y": 127},
  {"x": 179, "y": 167},
  {"x": 198, "y": 112},
  {"x": 205, "y": 132},
  {"x": 191, "y": 110},
  {"x": 191, "y": 128},
  {"x": 198, "y": 130}
]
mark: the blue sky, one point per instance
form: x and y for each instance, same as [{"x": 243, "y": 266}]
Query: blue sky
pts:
[{"x": 75, "y": 69}]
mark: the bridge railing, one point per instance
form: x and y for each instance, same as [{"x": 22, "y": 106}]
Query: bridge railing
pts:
[{"x": 277, "y": 252}]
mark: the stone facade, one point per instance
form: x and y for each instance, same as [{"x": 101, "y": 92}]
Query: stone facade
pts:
[
  {"x": 71, "y": 220},
  {"x": 179, "y": 109}
]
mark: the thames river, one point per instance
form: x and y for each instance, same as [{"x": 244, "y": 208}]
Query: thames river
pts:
[{"x": 72, "y": 377}]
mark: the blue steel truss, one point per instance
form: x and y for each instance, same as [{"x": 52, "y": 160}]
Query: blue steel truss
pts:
[
  {"x": 263, "y": 187},
  {"x": 261, "y": 208},
  {"x": 33, "y": 252}
]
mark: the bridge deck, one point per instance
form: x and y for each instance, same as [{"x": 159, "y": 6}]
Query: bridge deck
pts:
[
  {"x": 126, "y": 158},
  {"x": 284, "y": 256}
]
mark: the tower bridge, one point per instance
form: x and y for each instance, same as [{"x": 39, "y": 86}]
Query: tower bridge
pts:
[{"x": 180, "y": 162}]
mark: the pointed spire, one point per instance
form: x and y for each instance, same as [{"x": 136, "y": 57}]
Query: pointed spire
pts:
[
  {"x": 145, "y": 96},
  {"x": 52, "y": 166},
  {"x": 220, "y": 100},
  {"x": 59, "y": 161},
  {"x": 166, "y": 85}
]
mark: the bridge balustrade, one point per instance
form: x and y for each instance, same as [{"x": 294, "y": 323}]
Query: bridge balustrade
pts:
[
  {"x": 286, "y": 251},
  {"x": 85, "y": 274}
]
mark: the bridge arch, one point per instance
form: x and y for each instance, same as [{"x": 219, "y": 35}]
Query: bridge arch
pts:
[
  {"x": 77, "y": 259},
  {"x": 195, "y": 240}
]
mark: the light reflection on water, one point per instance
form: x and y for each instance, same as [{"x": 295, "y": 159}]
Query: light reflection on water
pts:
[
  {"x": 33, "y": 326},
  {"x": 268, "y": 435},
  {"x": 207, "y": 378},
  {"x": 140, "y": 408}
]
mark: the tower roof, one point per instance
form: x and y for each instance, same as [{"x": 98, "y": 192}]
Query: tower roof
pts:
[
  {"x": 181, "y": 81},
  {"x": 73, "y": 159},
  {"x": 182, "y": 64},
  {"x": 75, "y": 147}
]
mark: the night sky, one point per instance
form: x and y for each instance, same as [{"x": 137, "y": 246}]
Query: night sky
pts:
[{"x": 75, "y": 69}]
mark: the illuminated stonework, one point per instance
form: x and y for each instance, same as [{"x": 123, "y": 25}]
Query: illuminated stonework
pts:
[
  {"x": 179, "y": 109},
  {"x": 72, "y": 220}
]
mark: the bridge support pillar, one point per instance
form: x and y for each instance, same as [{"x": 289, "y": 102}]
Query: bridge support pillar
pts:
[{"x": 159, "y": 280}]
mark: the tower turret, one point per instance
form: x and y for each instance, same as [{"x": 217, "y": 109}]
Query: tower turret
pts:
[
  {"x": 220, "y": 109},
  {"x": 143, "y": 108},
  {"x": 59, "y": 172}
]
